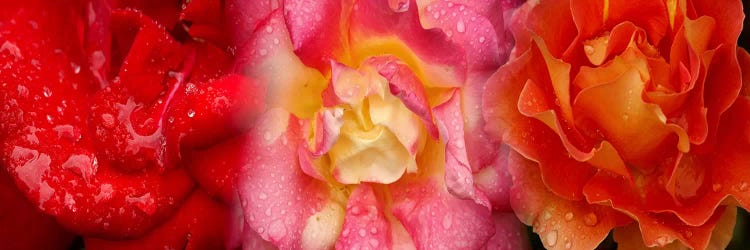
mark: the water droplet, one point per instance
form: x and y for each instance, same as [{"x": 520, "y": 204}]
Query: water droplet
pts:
[
  {"x": 190, "y": 88},
  {"x": 743, "y": 186},
  {"x": 12, "y": 49},
  {"x": 447, "y": 221},
  {"x": 76, "y": 68},
  {"x": 568, "y": 244},
  {"x": 362, "y": 233},
  {"x": 267, "y": 136},
  {"x": 662, "y": 240},
  {"x": 191, "y": 113},
  {"x": 262, "y": 196},
  {"x": 269, "y": 29},
  {"x": 551, "y": 238},
  {"x": 263, "y": 52},
  {"x": 374, "y": 230},
  {"x": 276, "y": 230},
  {"x": 47, "y": 92},
  {"x": 590, "y": 219},
  {"x": 588, "y": 49},
  {"x": 716, "y": 187},
  {"x": 625, "y": 117},
  {"x": 481, "y": 39},
  {"x": 276, "y": 41},
  {"x": 356, "y": 210},
  {"x": 436, "y": 15},
  {"x": 568, "y": 216},
  {"x": 460, "y": 26}
]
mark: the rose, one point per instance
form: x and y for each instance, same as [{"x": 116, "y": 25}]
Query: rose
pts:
[
  {"x": 621, "y": 112},
  {"x": 101, "y": 107},
  {"x": 374, "y": 134}
]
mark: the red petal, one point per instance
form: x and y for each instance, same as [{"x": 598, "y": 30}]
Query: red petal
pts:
[
  {"x": 199, "y": 224},
  {"x": 39, "y": 230}
]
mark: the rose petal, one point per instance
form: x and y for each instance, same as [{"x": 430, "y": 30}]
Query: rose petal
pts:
[
  {"x": 407, "y": 87},
  {"x": 17, "y": 212},
  {"x": 200, "y": 223},
  {"x": 529, "y": 136},
  {"x": 276, "y": 195},
  {"x": 630, "y": 237},
  {"x": 494, "y": 181},
  {"x": 298, "y": 90},
  {"x": 436, "y": 219},
  {"x": 365, "y": 225},
  {"x": 509, "y": 233},
  {"x": 458, "y": 172},
  {"x": 474, "y": 32},
  {"x": 315, "y": 30},
  {"x": 561, "y": 224},
  {"x": 376, "y": 29}
]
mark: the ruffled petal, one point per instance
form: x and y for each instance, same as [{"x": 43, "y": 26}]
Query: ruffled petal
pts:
[
  {"x": 529, "y": 136},
  {"x": 376, "y": 29},
  {"x": 561, "y": 224},
  {"x": 407, "y": 87}
]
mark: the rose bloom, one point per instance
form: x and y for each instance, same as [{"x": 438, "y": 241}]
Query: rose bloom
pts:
[
  {"x": 107, "y": 107},
  {"x": 373, "y": 137},
  {"x": 625, "y": 115}
]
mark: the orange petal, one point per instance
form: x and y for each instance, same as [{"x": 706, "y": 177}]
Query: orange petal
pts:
[{"x": 561, "y": 224}]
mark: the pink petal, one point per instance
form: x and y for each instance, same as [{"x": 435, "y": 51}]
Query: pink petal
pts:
[
  {"x": 510, "y": 234},
  {"x": 276, "y": 196},
  {"x": 315, "y": 30},
  {"x": 374, "y": 25},
  {"x": 494, "y": 181},
  {"x": 436, "y": 219},
  {"x": 365, "y": 224},
  {"x": 407, "y": 87},
  {"x": 471, "y": 30},
  {"x": 458, "y": 174}
]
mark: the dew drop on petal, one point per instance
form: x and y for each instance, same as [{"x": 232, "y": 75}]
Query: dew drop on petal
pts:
[
  {"x": 588, "y": 49},
  {"x": 551, "y": 238},
  {"x": 568, "y": 216},
  {"x": 191, "y": 113},
  {"x": 590, "y": 219},
  {"x": 716, "y": 187},
  {"x": 460, "y": 26}
]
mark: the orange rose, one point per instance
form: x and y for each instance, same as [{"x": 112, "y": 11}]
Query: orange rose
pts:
[{"x": 625, "y": 115}]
